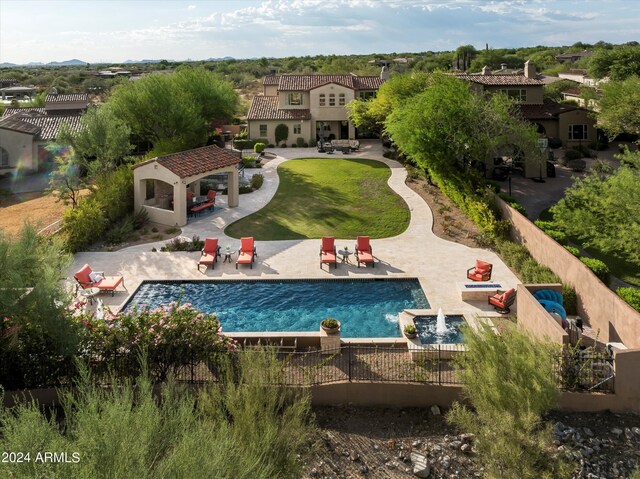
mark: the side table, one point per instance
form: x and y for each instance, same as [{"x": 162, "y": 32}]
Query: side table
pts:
[{"x": 90, "y": 293}]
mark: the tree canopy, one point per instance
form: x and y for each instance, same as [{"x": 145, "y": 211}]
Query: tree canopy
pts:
[
  {"x": 617, "y": 63},
  {"x": 620, "y": 107}
]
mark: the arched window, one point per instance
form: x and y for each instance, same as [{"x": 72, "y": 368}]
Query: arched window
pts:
[{"x": 4, "y": 157}]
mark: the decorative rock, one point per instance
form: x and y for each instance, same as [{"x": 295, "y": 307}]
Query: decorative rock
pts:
[
  {"x": 421, "y": 466},
  {"x": 467, "y": 437},
  {"x": 436, "y": 448},
  {"x": 616, "y": 432},
  {"x": 455, "y": 444},
  {"x": 587, "y": 452},
  {"x": 435, "y": 410},
  {"x": 636, "y": 431},
  {"x": 446, "y": 462},
  {"x": 416, "y": 443},
  {"x": 628, "y": 434},
  {"x": 376, "y": 447},
  {"x": 588, "y": 431},
  {"x": 466, "y": 448},
  {"x": 558, "y": 429},
  {"x": 364, "y": 469}
]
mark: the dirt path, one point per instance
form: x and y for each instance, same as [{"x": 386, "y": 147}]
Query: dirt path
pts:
[{"x": 37, "y": 208}]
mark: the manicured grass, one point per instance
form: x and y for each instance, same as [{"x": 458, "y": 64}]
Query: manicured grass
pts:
[{"x": 328, "y": 197}]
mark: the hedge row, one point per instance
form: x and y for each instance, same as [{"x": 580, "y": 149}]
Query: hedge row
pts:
[{"x": 248, "y": 144}]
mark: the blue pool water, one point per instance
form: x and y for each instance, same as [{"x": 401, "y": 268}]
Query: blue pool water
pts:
[
  {"x": 426, "y": 327},
  {"x": 366, "y": 308}
]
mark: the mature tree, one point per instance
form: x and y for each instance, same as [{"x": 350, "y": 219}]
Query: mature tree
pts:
[
  {"x": 620, "y": 107},
  {"x": 604, "y": 211},
  {"x": 553, "y": 91},
  {"x": 69, "y": 176},
  {"x": 617, "y": 63},
  {"x": 464, "y": 55},
  {"x": 102, "y": 141}
]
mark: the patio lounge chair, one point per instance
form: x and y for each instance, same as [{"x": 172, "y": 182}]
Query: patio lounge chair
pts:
[
  {"x": 480, "y": 272},
  {"x": 503, "y": 300},
  {"x": 364, "y": 252},
  {"x": 328, "y": 252},
  {"x": 87, "y": 278},
  {"x": 211, "y": 199},
  {"x": 247, "y": 252},
  {"x": 210, "y": 253}
]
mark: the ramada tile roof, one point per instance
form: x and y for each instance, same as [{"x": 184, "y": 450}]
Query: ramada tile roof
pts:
[
  {"x": 309, "y": 82},
  {"x": 266, "y": 108},
  {"x": 499, "y": 80},
  {"x": 66, "y": 97},
  {"x": 44, "y": 125},
  {"x": 195, "y": 162},
  {"x": 271, "y": 80},
  {"x": 548, "y": 110}
]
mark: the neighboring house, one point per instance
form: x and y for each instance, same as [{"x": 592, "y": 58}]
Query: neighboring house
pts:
[
  {"x": 312, "y": 106},
  {"x": 25, "y": 132},
  {"x": 16, "y": 92},
  {"x": 7, "y": 82},
  {"x": 572, "y": 57},
  {"x": 580, "y": 76}
]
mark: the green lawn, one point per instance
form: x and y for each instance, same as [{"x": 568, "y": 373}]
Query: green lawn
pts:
[{"x": 328, "y": 197}]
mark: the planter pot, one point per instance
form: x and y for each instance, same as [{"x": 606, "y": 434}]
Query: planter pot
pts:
[
  {"x": 330, "y": 330},
  {"x": 411, "y": 335}
]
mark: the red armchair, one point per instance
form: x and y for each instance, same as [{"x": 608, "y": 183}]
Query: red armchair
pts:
[
  {"x": 328, "y": 252},
  {"x": 247, "y": 252},
  {"x": 210, "y": 253},
  {"x": 503, "y": 300},
  {"x": 364, "y": 252},
  {"x": 480, "y": 272}
]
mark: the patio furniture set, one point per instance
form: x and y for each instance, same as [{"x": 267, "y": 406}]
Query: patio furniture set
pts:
[
  {"x": 345, "y": 146},
  {"x": 363, "y": 252},
  {"x": 212, "y": 251}
]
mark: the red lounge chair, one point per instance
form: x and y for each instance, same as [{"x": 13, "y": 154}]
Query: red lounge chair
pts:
[
  {"x": 247, "y": 252},
  {"x": 364, "y": 252},
  {"x": 210, "y": 253},
  {"x": 107, "y": 283},
  {"x": 480, "y": 272},
  {"x": 211, "y": 199},
  {"x": 503, "y": 300},
  {"x": 328, "y": 251}
]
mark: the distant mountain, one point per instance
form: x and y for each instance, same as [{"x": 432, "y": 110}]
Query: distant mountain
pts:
[
  {"x": 218, "y": 59},
  {"x": 144, "y": 61},
  {"x": 7, "y": 65},
  {"x": 66, "y": 63}
]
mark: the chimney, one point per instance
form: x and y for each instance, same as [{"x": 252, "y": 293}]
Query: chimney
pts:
[
  {"x": 530, "y": 69},
  {"x": 384, "y": 74},
  {"x": 503, "y": 66},
  {"x": 486, "y": 70}
]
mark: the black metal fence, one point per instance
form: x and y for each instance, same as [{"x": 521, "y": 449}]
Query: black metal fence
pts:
[{"x": 575, "y": 370}]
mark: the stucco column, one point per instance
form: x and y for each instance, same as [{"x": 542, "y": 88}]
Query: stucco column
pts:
[
  {"x": 138, "y": 197},
  {"x": 233, "y": 186},
  {"x": 352, "y": 131},
  {"x": 180, "y": 203},
  {"x": 195, "y": 187}
]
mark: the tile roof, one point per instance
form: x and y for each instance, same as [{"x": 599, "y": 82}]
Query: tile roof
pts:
[
  {"x": 309, "y": 82},
  {"x": 16, "y": 124},
  {"x": 195, "y": 162},
  {"x": 270, "y": 80},
  {"x": 266, "y": 108},
  {"x": 548, "y": 110},
  {"x": 49, "y": 125},
  {"x": 499, "y": 80},
  {"x": 57, "y": 98},
  {"x": 574, "y": 55}
]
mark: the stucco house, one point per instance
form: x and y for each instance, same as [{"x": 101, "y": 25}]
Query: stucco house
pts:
[
  {"x": 25, "y": 132},
  {"x": 570, "y": 124},
  {"x": 312, "y": 106}
]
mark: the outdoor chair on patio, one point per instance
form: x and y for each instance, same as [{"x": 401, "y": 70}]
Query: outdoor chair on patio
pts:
[
  {"x": 480, "y": 272},
  {"x": 328, "y": 252},
  {"x": 211, "y": 199},
  {"x": 247, "y": 252},
  {"x": 503, "y": 300},
  {"x": 364, "y": 252},
  {"x": 87, "y": 278},
  {"x": 210, "y": 253}
]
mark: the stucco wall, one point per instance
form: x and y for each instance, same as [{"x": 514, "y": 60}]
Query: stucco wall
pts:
[
  {"x": 330, "y": 113},
  {"x": 282, "y": 100},
  {"x": 305, "y": 128},
  {"x": 533, "y": 317},
  {"x": 534, "y": 93},
  {"x": 21, "y": 148},
  {"x": 576, "y": 117},
  {"x": 600, "y": 307}
]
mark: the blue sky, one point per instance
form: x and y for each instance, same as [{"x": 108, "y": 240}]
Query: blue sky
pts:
[{"x": 115, "y": 31}]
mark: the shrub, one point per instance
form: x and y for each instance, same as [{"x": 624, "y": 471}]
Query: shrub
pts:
[
  {"x": 505, "y": 413},
  {"x": 574, "y": 251},
  {"x": 584, "y": 150},
  {"x": 300, "y": 141},
  {"x": 256, "y": 181},
  {"x": 243, "y": 190},
  {"x": 259, "y": 147},
  {"x": 283, "y": 145},
  {"x": 313, "y": 142},
  {"x": 121, "y": 231},
  {"x": 599, "y": 145},
  {"x": 631, "y": 296},
  {"x": 84, "y": 225},
  {"x": 577, "y": 165},
  {"x": 599, "y": 268},
  {"x": 572, "y": 155},
  {"x": 410, "y": 329},
  {"x": 330, "y": 323},
  {"x": 559, "y": 236},
  {"x": 281, "y": 133},
  {"x": 248, "y": 144},
  {"x": 305, "y": 145},
  {"x": 569, "y": 299},
  {"x": 248, "y": 162},
  {"x": 271, "y": 145},
  {"x": 519, "y": 208},
  {"x": 528, "y": 269},
  {"x": 293, "y": 145},
  {"x": 181, "y": 244}
]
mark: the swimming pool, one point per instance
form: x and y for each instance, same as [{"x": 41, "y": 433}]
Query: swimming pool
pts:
[
  {"x": 366, "y": 308},
  {"x": 428, "y": 333}
]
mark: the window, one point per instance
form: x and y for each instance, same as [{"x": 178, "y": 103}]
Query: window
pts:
[
  {"x": 367, "y": 95},
  {"x": 150, "y": 190},
  {"x": 323, "y": 99},
  {"x": 297, "y": 129},
  {"x": 517, "y": 94},
  {"x": 341, "y": 99},
  {"x": 332, "y": 99},
  {"x": 263, "y": 131},
  {"x": 294, "y": 98},
  {"x": 326, "y": 127},
  {"x": 4, "y": 157},
  {"x": 578, "y": 132}
]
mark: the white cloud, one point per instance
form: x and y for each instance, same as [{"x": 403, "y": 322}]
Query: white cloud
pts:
[{"x": 191, "y": 7}]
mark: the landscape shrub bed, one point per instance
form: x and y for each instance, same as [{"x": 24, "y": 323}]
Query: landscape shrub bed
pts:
[
  {"x": 631, "y": 296},
  {"x": 600, "y": 269},
  {"x": 256, "y": 181},
  {"x": 182, "y": 244},
  {"x": 248, "y": 144}
]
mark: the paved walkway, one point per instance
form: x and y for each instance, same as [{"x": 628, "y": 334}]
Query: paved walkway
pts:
[{"x": 439, "y": 264}]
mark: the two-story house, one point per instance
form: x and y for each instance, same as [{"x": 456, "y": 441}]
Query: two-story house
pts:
[
  {"x": 312, "y": 106},
  {"x": 568, "y": 123}
]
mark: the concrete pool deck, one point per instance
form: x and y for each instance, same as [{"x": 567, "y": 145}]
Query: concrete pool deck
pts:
[{"x": 438, "y": 264}]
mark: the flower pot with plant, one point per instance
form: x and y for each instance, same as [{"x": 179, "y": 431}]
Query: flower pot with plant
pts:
[
  {"x": 410, "y": 331},
  {"x": 330, "y": 325}
]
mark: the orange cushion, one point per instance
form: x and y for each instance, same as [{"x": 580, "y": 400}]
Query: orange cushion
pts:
[
  {"x": 246, "y": 244},
  {"x": 210, "y": 245},
  {"x": 328, "y": 243},
  {"x": 482, "y": 266},
  {"x": 83, "y": 275},
  {"x": 363, "y": 243},
  {"x": 244, "y": 258},
  {"x": 109, "y": 282},
  {"x": 365, "y": 257},
  {"x": 475, "y": 276},
  {"x": 207, "y": 258},
  {"x": 328, "y": 257}
]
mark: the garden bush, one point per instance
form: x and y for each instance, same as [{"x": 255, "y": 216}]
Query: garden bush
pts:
[
  {"x": 84, "y": 225},
  {"x": 300, "y": 141},
  {"x": 573, "y": 250},
  {"x": 582, "y": 149},
  {"x": 259, "y": 147},
  {"x": 600, "y": 269},
  {"x": 528, "y": 269},
  {"x": 631, "y": 296},
  {"x": 248, "y": 144},
  {"x": 577, "y": 165},
  {"x": 281, "y": 133},
  {"x": 572, "y": 155},
  {"x": 558, "y": 236},
  {"x": 181, "y": 244},
  {"x": 293, "y": 145},
  {"x": 569, "y": 299},
  {"x": 256, "y": 181},
  {"x": 313, "y": 142}
]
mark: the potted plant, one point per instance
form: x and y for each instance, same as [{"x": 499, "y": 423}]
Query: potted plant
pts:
[
  {"x": 330, "y": 325},
  {"x": 410, "y": 331}
]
